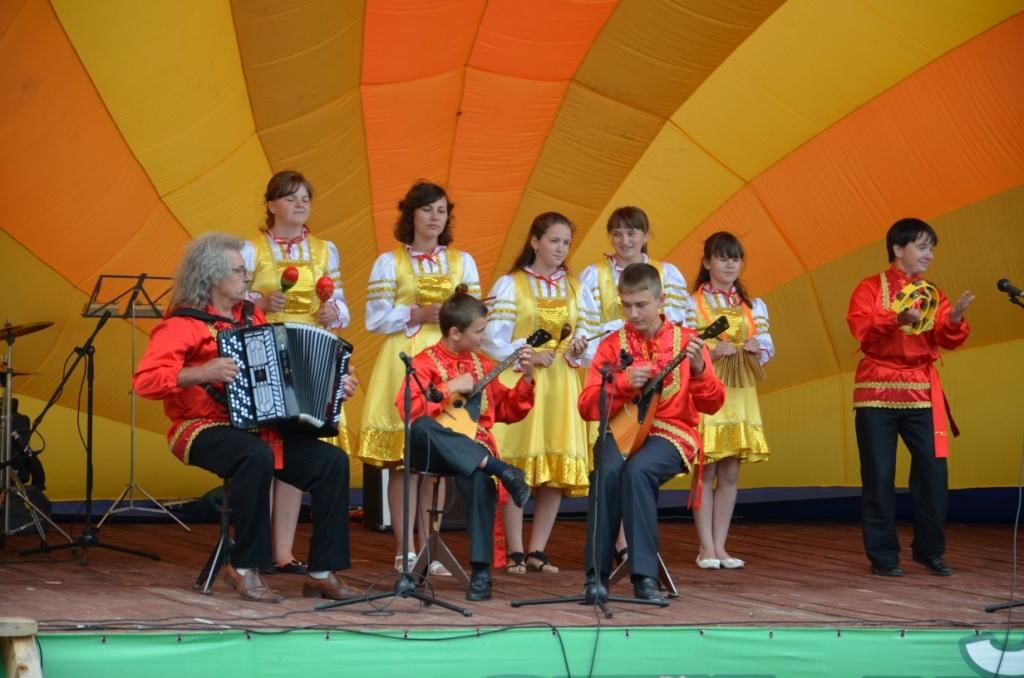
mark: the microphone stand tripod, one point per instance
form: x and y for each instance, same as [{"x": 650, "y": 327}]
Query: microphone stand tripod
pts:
[
  {"x": 596, "y": 592},
  {"x": 1014, "y": 299},
  {"x": 405, "y": 587},
  {"x": 90, "y": 536}
]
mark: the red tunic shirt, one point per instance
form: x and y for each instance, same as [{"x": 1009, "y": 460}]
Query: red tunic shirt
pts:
[
  {"x": 174, "y": 344},
  {"x": 438, "y": 364},
  {"x": 898, "y": 369},
  {"x": 683, "y": 397}
]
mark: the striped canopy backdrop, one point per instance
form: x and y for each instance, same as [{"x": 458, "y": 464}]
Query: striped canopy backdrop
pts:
[{"x": 805, "y": 127}]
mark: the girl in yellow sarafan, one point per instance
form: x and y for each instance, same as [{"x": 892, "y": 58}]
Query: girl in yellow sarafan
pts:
[
  {"x": 285, "y": 243},
  {"x": 407, "y": 286},
  {"x": 734, "y": 434},
  {"x": 550, "y": 444},
  {"x": 600, "y": 308}
]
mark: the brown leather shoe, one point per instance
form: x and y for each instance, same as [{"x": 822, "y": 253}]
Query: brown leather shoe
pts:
[
  {"x": 332, "y": 587},
  {"x": 250, "y": 586}
]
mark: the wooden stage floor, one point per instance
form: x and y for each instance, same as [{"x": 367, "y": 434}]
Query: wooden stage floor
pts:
[{"x": 811, "y": 574}]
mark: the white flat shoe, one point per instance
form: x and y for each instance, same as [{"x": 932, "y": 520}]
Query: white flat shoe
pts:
[
  {"x": 439, "y": 570},
  {"x": 409, "y": 557},
  {"x": 733, "y": 564},
  {"x": 708, "y": 563}
]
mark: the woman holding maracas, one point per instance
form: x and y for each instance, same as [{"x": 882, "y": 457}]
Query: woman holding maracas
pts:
[{"x": 296, "y": 278}]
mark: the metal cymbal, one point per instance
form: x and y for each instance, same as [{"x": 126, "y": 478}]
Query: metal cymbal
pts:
[
  {"x": 15, "y": 373},
  {"x": 21, "y": 330}
]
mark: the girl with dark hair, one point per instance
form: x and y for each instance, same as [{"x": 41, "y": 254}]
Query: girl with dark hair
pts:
[
  {"x": 285, "y": 242},
  {"x": 550, "y": 444},
  {"x": 734, "y": 434},
  {"x": 406, "y": 289}
]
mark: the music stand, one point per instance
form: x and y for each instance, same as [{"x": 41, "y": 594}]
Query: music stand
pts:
[
  {"x": 90, "y": 536},
  {"x": 139, "y": 304}
]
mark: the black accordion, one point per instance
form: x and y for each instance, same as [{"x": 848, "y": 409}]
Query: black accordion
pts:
[{"x": 290, "y": 373}]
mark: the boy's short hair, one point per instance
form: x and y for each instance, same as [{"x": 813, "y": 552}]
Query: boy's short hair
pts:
[
  {"x": 639, "y": 277},
  {"x": 906, "y": 231},
  {"x": 460, "y": 311}
]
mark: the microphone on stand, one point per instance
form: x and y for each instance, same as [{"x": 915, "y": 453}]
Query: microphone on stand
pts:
[
  {"x": 433, "y": 395},
  {"x": 625, "y": 359},
  {"x": 1004, "y": 285}
]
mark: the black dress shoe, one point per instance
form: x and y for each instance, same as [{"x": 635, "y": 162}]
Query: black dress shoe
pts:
[
  {"x": 646, "y": 588},
  {"x": 514, "y": 480},
  {"x": 479, "y": 585},
  {"x": 936, "y": 565},
  {"x": 881, "y": 571}
]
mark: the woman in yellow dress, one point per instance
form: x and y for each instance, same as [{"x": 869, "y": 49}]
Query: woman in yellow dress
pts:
[
  {"x": 550, "y": 445},
  {"x": 733, "y": 435},
  {"x": 407, "y": 286},
  {"x": 285, "y": 242},
  {"x": 600, "y": 308}
]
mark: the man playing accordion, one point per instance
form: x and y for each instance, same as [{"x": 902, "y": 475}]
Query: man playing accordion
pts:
[{"x": 182, "y": 368}]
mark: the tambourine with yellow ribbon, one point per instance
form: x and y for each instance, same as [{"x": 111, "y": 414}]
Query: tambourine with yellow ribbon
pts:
[{"x": 921, "y": 295}]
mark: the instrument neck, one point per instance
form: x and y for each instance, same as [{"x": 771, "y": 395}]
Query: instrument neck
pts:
[{"x": 479, "y": 386}]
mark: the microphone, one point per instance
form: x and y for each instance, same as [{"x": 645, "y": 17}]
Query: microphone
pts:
[
  {"x": 433, "y": 394},
  {"x": 405, "y": 359},
  {"x": 248, "y": 310},
  {"x": 1004, "y": 285},
  {"x": 625, "y": 359}
]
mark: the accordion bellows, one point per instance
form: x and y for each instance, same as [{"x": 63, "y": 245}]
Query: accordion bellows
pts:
[{"x": 290, "y": 373}]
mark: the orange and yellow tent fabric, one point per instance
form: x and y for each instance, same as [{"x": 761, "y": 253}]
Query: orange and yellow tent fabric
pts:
[{"x": 805, "y": 127}]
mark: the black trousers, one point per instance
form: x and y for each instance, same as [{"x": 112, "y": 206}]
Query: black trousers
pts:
[
  {"x": 309, "y": 464},
  {"x": 877, "y": 431},
  {"x": 436, "y": 449},
  {"x": 627, "y": 490}
]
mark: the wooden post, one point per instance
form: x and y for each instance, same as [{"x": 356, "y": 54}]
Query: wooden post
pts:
[{"x": 18, "y": 641}]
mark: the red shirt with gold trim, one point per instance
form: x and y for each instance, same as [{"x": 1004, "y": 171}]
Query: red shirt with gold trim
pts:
[
  {"x": 896, "y": 370},
  {"x": 683, "y": 396},
  {"x": 176, "y": 343},
  {"x": 437, "y": 365}
]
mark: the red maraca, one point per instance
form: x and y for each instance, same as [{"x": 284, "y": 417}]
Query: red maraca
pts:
[
  {"x": 289, "y": 277},
  {"x": 325, "y": 288}
]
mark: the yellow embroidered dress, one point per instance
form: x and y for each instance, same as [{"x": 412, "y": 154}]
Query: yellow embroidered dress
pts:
[
  {"x": 267, "y": 256},
  {"x": 400, "y": 280},
  {"x": 735, "y": 430},
  {"x": 601, "y": 308},
  {"x": 550, "y": 445}
]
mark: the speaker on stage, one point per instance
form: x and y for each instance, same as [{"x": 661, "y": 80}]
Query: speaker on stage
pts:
[{"x": 377, "y": 512}]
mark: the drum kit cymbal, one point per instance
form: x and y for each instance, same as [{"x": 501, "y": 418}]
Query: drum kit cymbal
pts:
[
  {"x": 9, "y": 333},
  {"x": 10, "y": 483}
]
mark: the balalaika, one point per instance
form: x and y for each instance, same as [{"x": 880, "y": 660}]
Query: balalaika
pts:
[
  {"x": 289, "y": 373},
  {"x": 631, "y": 425}
]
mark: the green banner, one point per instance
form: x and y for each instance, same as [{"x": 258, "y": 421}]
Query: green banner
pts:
[{"x": 540, "y": 652}]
